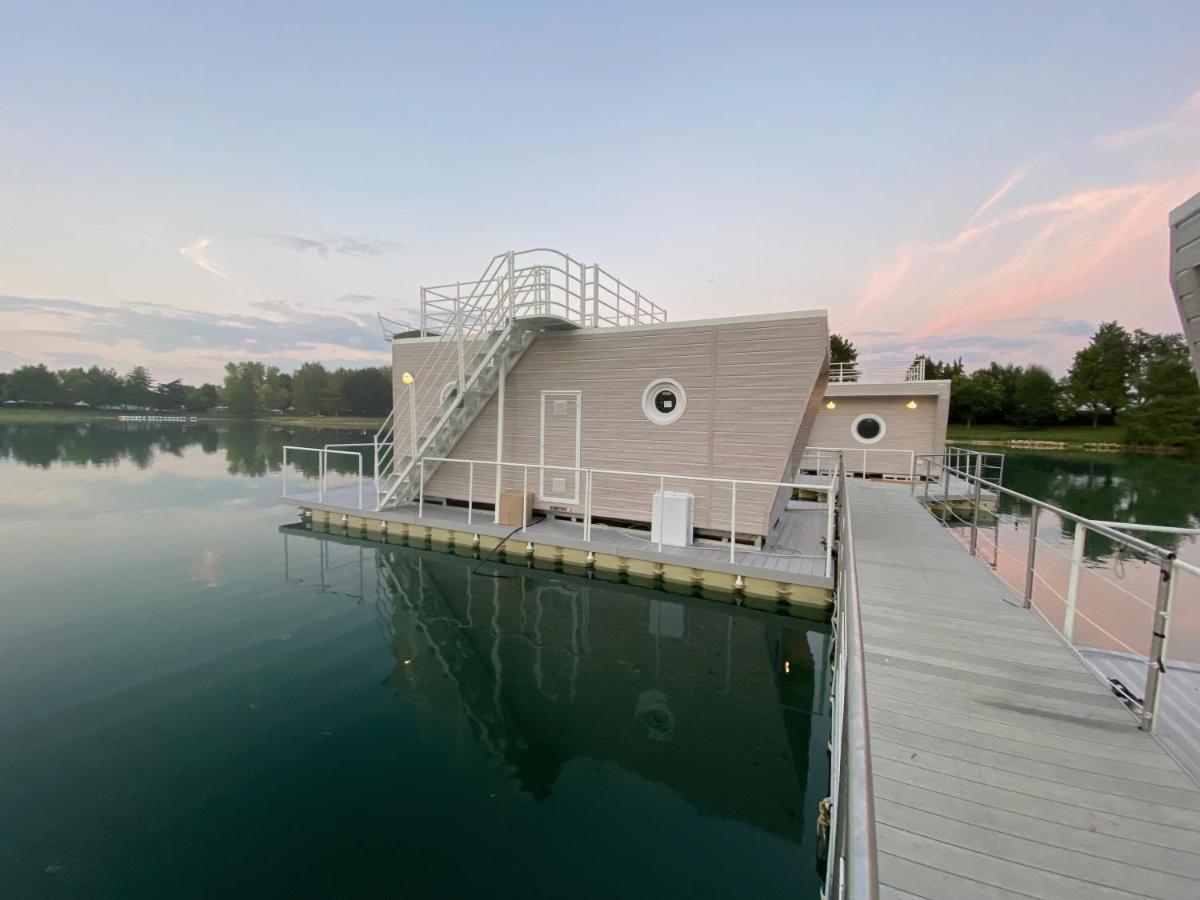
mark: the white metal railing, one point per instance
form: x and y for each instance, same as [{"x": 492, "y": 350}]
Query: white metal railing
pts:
[
  {"x": 1038, "y": 575},
  {"x": 323, "y": 454},
  {"x": 585, "y": 478},
  {"x": 474, "y": 322},
  {"x": 851, "y": 868},
  {"x": 859, "y": 461},
  {"x": 854, "y": 372}
]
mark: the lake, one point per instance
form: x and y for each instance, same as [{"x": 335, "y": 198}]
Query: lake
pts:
[{"x": 199, "y": 698}]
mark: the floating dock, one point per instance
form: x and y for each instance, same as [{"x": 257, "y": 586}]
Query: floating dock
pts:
[
  {"x": 1002, "y": 766},
  {"x": 793, "y": 567}
]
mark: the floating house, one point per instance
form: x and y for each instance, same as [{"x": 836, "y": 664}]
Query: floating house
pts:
[
  {"x": 564, "y": 374},
  {"x": 1185, "y": 272}
]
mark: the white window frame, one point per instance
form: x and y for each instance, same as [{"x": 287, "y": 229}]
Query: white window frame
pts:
[
  {"x": 542, "y": 495},
  {"x": 869, "y": 415},
  {"x": 652, "y": 413}
]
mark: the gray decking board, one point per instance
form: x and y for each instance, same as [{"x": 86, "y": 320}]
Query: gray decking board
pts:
[
  {"x": 794, "y": 551},
  {"x": 1004, "y": 767}
]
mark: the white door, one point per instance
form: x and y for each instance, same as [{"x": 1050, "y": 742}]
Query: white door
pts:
[{"x": 562, "y": 423}]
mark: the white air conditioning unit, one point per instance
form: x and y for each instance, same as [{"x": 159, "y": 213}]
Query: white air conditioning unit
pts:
[{"x": 671, "y": 518}]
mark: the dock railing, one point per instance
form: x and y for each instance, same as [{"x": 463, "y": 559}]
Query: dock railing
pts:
[
  {"x": 1092, "y": 612},
  {"x": 353, "y": 496},
  {"x": 585, "y": 492},
  {"x": 851, "y": 864}
]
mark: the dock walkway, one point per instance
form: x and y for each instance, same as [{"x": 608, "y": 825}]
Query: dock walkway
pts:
[{"x": 1002, "y": 767}]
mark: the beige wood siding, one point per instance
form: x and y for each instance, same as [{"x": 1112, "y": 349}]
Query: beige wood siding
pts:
[
  {"x": 747, "y": 386},
  {"x": 908, "y": 431}
]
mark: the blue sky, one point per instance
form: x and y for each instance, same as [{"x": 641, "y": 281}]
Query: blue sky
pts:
[{"x": 182, "y": 184}]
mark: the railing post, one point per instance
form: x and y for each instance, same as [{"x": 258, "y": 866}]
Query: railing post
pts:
[
  {"x": 945, "y": 488},
  {"x": 423, "y": 329},
  {"x": 462, "y": 367},
  {"x": 496, "y": 508},
  {"x": 412, "y": 419},
  {"x": 470, "y": 491},
  {"x": 1073, "y": 581},
  {"x": 1157, "y": 669},
  {"x": 359, "y": 455},
  {"x": 1031, "y": 557},
  {"x": 283, "y": 470},
  {"x": 662, "y": 486},
  {"x": 322, "y": 467},
  {"x": 512, "y": 294},
  {"x": 595, "y": 295},
  {"x": 587, "y": 509},
  {"x": 928, "y": 474},
  {"x": 637, "y": 307},
  {"x": 421, "y": 492},
  {"x": 975, "y": 505},
  {"x": 524, "y": 496},
  {"x": 732, "y": 522}
]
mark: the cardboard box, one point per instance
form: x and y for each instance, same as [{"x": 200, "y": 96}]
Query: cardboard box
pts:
[{"x": 510, "y": 508}]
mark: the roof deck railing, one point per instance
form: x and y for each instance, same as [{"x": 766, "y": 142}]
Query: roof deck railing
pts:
[{"x": 857, "y": 373}]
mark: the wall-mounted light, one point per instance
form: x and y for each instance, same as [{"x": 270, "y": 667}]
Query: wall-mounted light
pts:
[
  {"x": 407, "y": 378},
  {"x": 911, "y": 404},
  {"x": 831, "y": 405}
]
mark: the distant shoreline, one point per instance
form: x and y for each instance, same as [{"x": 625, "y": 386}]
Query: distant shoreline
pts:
[
  {"x": 1106, "y": 439},
  {"x": 69, "y": 416}
]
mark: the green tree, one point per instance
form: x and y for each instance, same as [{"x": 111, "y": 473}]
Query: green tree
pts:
[
  {"x": 1169, "y": 409},
  {"x": 102, "y": 388},
  {"x": 138, "y": 388},
  {"x": 35, "y": 384},
  {"x": 74, "y": 384},
  {"x": 1100, "y": 375},
  {"x": 1035, "y": 400},
  {"x": 243, "y": 386},
  {"x": 841, "y": 350},
  {"x": 172, "y": 395},
  {"x": 309, "y": 385},
  {"x": 276, "y": 390},
  {"x": 203, "y": 398},
  {"x": 936, "y": 370},
  {"x": 977, "y": 397}
]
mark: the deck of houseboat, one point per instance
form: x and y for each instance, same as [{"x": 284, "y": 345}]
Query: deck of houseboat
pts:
[
  {"x": 1002, "y": 766},
  {"x": 794, "y": 553}
]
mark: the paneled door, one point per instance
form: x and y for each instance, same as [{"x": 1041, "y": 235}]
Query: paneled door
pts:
[{"x": 562, "y": 424}]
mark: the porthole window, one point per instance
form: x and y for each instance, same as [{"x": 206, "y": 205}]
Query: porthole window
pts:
[
  {"x": 868, "y": 428},
  {"x": 663, "y": 401}
]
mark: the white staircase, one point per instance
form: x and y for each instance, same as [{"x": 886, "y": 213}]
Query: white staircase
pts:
[{"x": 483, "y": 328}]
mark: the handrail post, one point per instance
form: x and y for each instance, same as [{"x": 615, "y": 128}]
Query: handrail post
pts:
[
  {"x": 662, "y": 487},
  {"x": 595, "y": 295},
  {"x": 421, "y": 492},
  {"x": 423, "y": 328},
  {"x": 322, "y": 467},
  {"x": 283, "y": 470},
  {"x": 975, "y": 505},
  {"x": 732, "y": 522},
  {"x": 1031, "y": 557},
  {"x": 512, "y": 294},
  {"x": 928, "y": 473},
  {"x": 587, "y": 509},
  {"x": 1156, "y": 670},
  {"x": 470, "y": 491},
  {"x": 524, "y": 496},
  {"x": 1073, "y": 581},
  {"x": 496, "y": 508},
  {"x": 462, "y": 366},
  {"x": 945, "y": 488},
  {"x": 359, "y": 455}
]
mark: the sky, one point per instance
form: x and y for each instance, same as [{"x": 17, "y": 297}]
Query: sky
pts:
[{"x": 183, "y": 184}]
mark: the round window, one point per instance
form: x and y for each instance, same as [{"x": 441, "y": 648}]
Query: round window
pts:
[
  {"x": 868, "y": 428},
  {"x": 663, "y": 401}
]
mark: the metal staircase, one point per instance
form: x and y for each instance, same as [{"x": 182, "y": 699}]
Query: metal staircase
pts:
[{"x": 482, "y": 329}]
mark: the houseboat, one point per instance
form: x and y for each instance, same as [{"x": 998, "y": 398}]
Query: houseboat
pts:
[{"x": 551, "y": 396}]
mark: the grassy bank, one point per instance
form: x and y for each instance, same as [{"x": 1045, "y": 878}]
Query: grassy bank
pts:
[
  {"x": 1079, "y": 437},
  {"x": 74, "y": 416}
]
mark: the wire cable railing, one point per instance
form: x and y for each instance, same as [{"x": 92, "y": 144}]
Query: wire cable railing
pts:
[{"x": 1050, "y": 580}]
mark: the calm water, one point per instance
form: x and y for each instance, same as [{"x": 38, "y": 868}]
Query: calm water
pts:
[{"x": 197, "y": 702}]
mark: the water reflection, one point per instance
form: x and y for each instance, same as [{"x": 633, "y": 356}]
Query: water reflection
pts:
[
  {"x": 1158, "y": 490},
  {"x": 251, "y": 449},
  {"x": 724, "y": 706}
]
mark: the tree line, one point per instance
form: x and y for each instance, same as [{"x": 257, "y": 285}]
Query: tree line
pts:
[
  {"x": 1138, "y": 380},
  {"x": 249, "y": 388}
]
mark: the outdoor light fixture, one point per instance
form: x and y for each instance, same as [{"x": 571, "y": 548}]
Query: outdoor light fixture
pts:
[
  {"x": 407, "y": 378},
  {"x": 911, "y": 404},
  {"x": 831, "y": 405}
]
